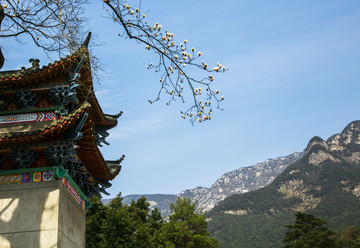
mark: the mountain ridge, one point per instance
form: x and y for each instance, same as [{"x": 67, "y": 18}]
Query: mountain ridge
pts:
[
  {"x": 324, "y": 182},
  {"x": 238, "y": 181}
]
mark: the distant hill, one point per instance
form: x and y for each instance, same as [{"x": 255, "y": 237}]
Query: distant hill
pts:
[{"x": 324, "y": 182}]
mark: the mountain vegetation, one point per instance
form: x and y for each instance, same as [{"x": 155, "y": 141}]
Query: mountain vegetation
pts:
[
  {"x": 119, "y": 225},
  {"x": 325, "y": 182},
  {"x": 310, "y": 231},
  {"x": 348, "y": 238}
]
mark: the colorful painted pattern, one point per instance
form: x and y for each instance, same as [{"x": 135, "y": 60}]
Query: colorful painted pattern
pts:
[
  {"x": 44, "y": 176},
  {"x": 10, "y": 179},
  {"x": 47, "y": 176},
  {"x": 28, "y": 117},
  {"x": 27, "y": 177},
  {"x": 37, "y": 176},
  {"x": 73, "y": 192}
]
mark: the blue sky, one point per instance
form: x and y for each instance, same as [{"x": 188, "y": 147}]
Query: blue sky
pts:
[{"x": 294, "y": 73}]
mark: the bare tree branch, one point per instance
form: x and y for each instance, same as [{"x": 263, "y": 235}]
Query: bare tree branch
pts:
[
  {"x": 57, "y": 26},
  {"x": 53, "y": 25},
  {"x": 175, "y": 62}
]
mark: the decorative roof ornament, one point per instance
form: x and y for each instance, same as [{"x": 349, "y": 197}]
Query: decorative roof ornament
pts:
[
  {"x": 35, "y": 63},
  {"x": 114, "y": 167},
  {"x": 87, "y": 40}
]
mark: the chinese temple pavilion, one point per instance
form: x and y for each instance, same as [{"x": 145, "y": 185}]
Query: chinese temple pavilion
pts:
[{"x": 51, "y": 126}]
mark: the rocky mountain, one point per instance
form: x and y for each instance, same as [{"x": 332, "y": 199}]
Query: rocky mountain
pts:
[
  {"x": 324, "y": 182},
  {"x": 235, "y": 182},
  {"x": 240, "y": 181}
]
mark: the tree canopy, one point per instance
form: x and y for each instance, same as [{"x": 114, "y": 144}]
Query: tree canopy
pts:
[
  {"x": 121, "y": 225},
  {"x": 348, "y": 238},
  {"x": 308, "y": 231},
  {"x": 186, "y": 228}
]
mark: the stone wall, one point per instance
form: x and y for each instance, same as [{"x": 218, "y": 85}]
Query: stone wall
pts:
[{"x": 40, "y": 215}]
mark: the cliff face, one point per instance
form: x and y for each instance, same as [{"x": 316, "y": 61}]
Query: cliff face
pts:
[{"x": 240, "y": 181}]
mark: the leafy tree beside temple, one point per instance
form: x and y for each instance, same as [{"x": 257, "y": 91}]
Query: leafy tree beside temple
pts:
[{"x": 121, "y": 225}]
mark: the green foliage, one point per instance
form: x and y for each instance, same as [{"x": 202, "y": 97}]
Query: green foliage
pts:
[
  {"x": 308, "y": 231},
  {"x": 255, "y": 230},
  {"x": 186, "y": 228},
  {"x": 348, "y": 238},
  {"x": 95, "y": 219},
  {"x": 119, "y": 225}
]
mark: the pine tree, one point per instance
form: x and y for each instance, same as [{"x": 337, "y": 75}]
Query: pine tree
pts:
[
  {"x": 186, "y": 227},
  {"x": 308, "y": 231}
]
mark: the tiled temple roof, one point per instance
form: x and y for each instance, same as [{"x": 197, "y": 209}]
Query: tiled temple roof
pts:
[
  {"x": 100, "y": 117},
  {"x": 40, "y": 76},
  {"x": 90, "y": 154},
  {"x": 44, "y": 131},
  {"x": 114, "y": 166},
  {"x": 6, "y": 76},
  {"x": 35, "y": 70}
]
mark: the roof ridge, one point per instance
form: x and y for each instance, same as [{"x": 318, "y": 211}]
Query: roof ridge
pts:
[{"x": 17, "y": 74}]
